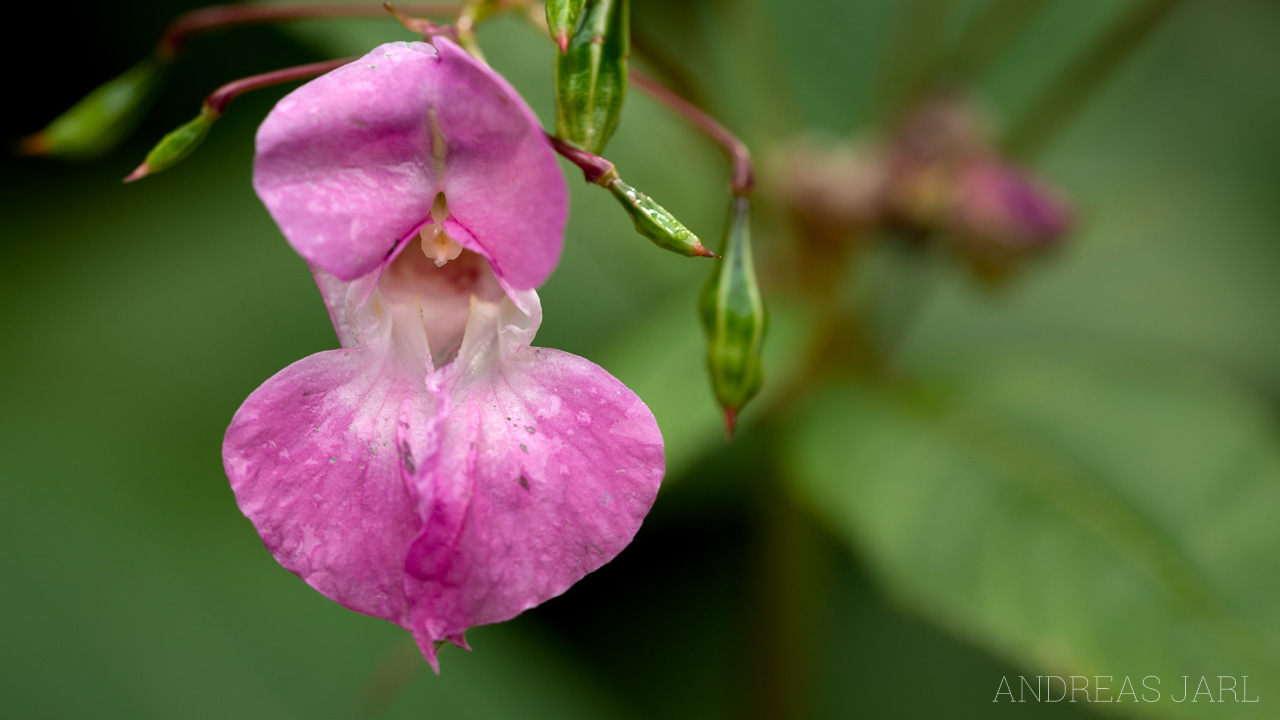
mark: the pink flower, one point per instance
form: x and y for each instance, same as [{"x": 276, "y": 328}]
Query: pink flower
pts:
[
  {"x": 437, "y": 471},
  {"x": 1006, "y": 207}
]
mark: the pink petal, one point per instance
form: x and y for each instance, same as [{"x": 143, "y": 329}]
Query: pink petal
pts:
[
  {"x": 345, "y": 163},
  {"x": 547, "y": 466},
  {"x": 314, "y": 461}
]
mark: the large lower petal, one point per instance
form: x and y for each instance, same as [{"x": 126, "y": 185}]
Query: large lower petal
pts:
[
  {"x": 547, "y": 467},
  {"x": 315, "y": 455},
  {"x": 350, "y": 163}
]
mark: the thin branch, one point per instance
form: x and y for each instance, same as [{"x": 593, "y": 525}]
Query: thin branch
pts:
[
  {"x": 595, "y": 169},
  {"x": 218, "y": 100},
  {"x": 1071, "y": 90},
  {"x": 223, "y": 16},
  {"x": 416, "y": 25},
  {"x": 743, "y": 178}
]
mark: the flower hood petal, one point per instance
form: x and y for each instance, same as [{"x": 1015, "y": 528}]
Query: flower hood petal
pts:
[{"x": 350, "y": 163}]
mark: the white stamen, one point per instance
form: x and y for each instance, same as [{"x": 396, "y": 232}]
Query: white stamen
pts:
[
  {"x": 436, "y": 243},
  {"x": 438, "y": 246}
]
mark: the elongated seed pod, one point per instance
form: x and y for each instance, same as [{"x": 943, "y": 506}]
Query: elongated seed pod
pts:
[
  {"x": 591, "y": 76},
  {"x": 654, "y": 222},
  {"x": 734, "y": 317},
  {"x": 102, "y": 119},
  {"x": 177, "y": 145}
]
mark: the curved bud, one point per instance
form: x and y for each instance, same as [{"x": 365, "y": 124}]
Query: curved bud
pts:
[
  {"x": 591, "y": 76},
  {"x": 654, "y": 222},
  {"x": 1002, "y": 218},
  {"x": 101, "y": 119},
  {"x": 1003, "y": 205},
  {"x": 176, "y": 146},
  {"x": 734, "y": 318},
  {"x": 562, "y": 19}
]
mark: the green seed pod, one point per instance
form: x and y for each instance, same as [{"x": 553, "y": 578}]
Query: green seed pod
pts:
[
  {"x": 591, "y": 76},
  {"x": 176, "y": 146},
  {"x": 562, "y": 19},
  {"x": 101, "y": 119},
  {"x": 654, "y": 222},
  {"x": 734, "y": 318}
]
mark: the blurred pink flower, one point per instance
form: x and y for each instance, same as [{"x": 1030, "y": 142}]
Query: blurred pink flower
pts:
[
  {"x": 1005, "y": 206},
  {"x": 437, "y": 471}
]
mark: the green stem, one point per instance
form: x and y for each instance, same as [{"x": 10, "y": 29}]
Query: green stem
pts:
[
  {"x": 1077, "y": 84},
  {"x": 992, "y": 33},
  {"x": 595, "y": 169},
  {"x": 743, "y": 177},
  {"x": 218, "y": 100}
]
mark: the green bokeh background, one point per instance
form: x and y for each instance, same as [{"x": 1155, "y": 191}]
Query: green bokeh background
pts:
[{"x": 137, "y": 319}]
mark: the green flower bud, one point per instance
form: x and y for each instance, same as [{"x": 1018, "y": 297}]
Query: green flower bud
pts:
[
  {"x": 101, "y": 119},
  {"x": 562, "y": 19},
  {"x": 177, "y": 145},
  {"x": 654, "y": 222},
  {"x": 734, "y": 318},
  {"x": 591, "y": 76}
]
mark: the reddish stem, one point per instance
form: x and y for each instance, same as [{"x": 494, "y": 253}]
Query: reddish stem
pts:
[
  {"x": 594, "y": 168},
  {"x": 425, "y": 28},
  {"x": 223, "y": 16},
  {"x": 743, "y": 178},
  {"x": 218, "y": 100}
]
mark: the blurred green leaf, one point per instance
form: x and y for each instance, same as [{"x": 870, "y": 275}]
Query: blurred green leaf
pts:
[
  {"x": 103, "y": 118},
  {"x": 1096, "y": 518}
]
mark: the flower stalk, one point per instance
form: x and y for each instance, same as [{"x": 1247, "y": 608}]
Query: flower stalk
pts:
[
  {"x": 180, "y": 143},
  {"x": 650, "y": 219},
  {"x": 421, "y": 26},
  {"x": 595, "y": 169},
  {"x": 742, "y": 177}
]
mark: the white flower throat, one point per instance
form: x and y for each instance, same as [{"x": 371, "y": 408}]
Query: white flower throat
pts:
[{"x": 427, "y": 304}]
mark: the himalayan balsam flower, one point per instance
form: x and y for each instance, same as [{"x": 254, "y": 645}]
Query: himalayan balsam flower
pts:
[{"x": 437, "y": 471}]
